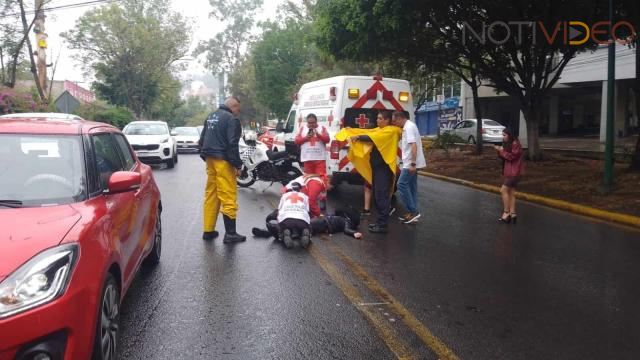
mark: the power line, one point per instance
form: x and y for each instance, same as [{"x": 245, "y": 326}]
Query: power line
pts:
[{"x": 61, "y": 7}]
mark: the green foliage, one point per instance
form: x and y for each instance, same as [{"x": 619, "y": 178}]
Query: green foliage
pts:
[
  {"x": 424, "y": 35},
  {"x": 14, "y": 101},
  {"x": 192, "y": 112},
  {"x": 103, "y": 112},
  {"x": 131, "y": 47},
  {"x": 278, "y": 59},
  {"x": 446, "y": 140},
  {"x": 224, "y": 52}
]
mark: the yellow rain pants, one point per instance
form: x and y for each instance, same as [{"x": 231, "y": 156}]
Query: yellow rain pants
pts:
[{"x": 221, "y": 190}]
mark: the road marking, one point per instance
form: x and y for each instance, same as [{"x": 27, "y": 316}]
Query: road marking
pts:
[
  {"x": 407, "y": 317},
  {"x": 396, "y": 345},
  {"x": 373, "y": 304},
  {"x": 399, "y": 348}
]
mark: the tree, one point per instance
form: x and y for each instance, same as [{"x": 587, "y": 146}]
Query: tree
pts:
[
  {"x": 278, "y": 58},
  {"x": 132, "y": 47},
  {"x": 242, "y": 84},
  {"x": 103, "y": 112},
  {"x": 224, "y": 52},
  {"x": 192, "y": 112},
  {"x": 16, "y": 27},
  {"x": 525, "y": 66}
]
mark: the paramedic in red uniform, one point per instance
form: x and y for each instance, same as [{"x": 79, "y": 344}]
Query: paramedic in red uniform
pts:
[{"x": 313, "y": 139}]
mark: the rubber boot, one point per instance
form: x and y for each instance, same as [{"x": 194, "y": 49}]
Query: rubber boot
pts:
[{"x": 231, "y": 236}]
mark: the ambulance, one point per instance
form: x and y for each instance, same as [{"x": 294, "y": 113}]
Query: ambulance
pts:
[{"x": 338, "y": 102}]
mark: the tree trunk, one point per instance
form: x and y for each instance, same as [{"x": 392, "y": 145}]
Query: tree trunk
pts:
[
  {"x": 34, "y": 70},
  {"x": 2, "y": 73},
  {"x": 532, "y": 119},
  {"x": 478, "y": 111},
  {"x": 635, "y": 159}
]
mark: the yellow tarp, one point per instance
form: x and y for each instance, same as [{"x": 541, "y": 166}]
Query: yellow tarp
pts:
[{"x": 385, "y": 139}]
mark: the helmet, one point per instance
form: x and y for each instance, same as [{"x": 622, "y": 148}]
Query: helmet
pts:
[{"x": 295, "y": 186}]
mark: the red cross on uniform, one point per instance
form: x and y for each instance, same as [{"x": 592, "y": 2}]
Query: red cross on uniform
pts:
[
  {"x": 362, "y": 121},
  {"x": 294, "y": 198}
]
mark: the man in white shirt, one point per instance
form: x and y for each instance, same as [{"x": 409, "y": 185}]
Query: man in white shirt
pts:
[{"x": 412, "y": 160}]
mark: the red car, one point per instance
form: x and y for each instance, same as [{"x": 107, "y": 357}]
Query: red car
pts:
[
  {"x": 79, "y": 215},
  {"x": 267, "y": 135}
]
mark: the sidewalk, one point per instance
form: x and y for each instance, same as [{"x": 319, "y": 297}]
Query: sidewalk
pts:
[{"x": 567, "y": 178}]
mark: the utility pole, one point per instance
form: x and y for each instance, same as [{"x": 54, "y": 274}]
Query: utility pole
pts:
[
  {"x": 221, "y": 95},
  {"x": 41, "y": 43},
  {"x": 611, "y": 79}
]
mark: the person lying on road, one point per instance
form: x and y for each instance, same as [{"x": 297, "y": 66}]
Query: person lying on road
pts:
[{"x": 345, "y": 221}]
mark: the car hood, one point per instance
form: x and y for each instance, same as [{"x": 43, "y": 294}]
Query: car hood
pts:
[
  {"x": 26, "y": 232},
  {"x": 146, "y": 139},
  {"x": 188, "y": 138}
]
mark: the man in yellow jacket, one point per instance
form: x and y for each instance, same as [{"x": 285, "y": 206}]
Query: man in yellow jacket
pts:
[{"x": 374, "y": 153}]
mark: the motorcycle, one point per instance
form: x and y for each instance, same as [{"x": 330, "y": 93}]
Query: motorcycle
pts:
[{"x": 261, "y": 164}]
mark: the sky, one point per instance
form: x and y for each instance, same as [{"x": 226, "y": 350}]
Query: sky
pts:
[{"x": 61, "y": 20}]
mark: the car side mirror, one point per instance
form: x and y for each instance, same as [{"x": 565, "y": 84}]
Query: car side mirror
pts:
[
  {"x": 280, "y": 127},
  {"x": 173, "y": 133},
  {"x": 123, "y": 181}
]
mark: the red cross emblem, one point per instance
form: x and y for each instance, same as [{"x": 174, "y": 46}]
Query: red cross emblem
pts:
[
  {"x": 363, "y": 121},
  {"x": 294, "y": 197}
]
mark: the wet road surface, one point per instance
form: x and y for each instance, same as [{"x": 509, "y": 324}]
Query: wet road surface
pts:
[{"x": 456, "y": 285}]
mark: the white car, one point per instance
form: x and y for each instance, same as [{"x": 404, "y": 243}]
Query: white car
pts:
[
  {"x": 187, "y": 138},
  {"x": 152, "y": 142},
  {"x": 466, "y": 129}
]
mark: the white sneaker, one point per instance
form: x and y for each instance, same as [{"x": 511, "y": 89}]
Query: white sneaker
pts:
[{"x": 413, "y": 218}]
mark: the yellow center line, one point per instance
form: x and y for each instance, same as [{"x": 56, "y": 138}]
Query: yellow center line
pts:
[
  {"x": 380, "y": 324},
  {"x": 397, "y": 346},
  {"x": 435, "y": 344}
]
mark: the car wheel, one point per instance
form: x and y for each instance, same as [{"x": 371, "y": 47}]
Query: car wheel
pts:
[
  {"x": 154, "y": 256},
  {"x": 170, "y": 163},
  {"x": 175, "y": 157},
  {"x": 105, "y": 345},
  {"x": 471, "y": 140}
]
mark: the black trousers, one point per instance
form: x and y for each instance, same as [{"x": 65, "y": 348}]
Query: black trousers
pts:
[
  {"x": 295, "y": 225},
  {"x": 383, "y": 180}
]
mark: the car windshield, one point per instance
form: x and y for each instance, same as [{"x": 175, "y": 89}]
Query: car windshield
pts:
[
  {"x": 490, "y": 123},
  {"x": 45, "y": 170},
  {"x": 187, "y": 131},
  {"x": 145, "y": 129}
]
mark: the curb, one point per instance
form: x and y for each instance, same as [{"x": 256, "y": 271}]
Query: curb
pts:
[{"x": 629, "y": 220}]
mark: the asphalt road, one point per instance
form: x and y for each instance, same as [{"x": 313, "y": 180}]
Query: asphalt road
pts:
[{"x": 456, "y": 285}]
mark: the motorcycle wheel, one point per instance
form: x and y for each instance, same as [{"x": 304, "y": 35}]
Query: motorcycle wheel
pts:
[{"x": 246, "y": 179}]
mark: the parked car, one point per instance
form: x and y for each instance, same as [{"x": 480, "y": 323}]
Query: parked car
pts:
[
  {"x": 79, "y": 216},
  {"x": 152, "y": 142},
  {"x": 467, "y": 130},
  {"x": 267, "y": 135},
  {"x": 187, "y": 138}
]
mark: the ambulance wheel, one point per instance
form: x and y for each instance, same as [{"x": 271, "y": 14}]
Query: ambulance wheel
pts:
[
  {"x": 171, "y": 163},
  {"x": 245, "y": 179}
]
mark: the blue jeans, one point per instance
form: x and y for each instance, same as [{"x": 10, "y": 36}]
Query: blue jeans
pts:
[{"x": 408, "y": 189}]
